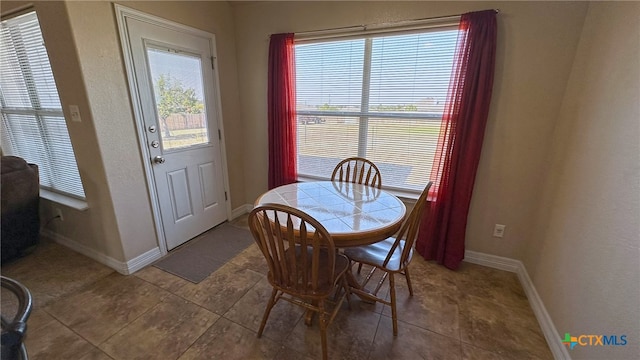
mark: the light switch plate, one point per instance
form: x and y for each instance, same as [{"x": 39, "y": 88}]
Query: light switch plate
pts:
[{"x": 75, "y": 113}]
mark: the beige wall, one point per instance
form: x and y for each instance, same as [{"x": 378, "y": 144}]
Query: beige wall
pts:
[
  {"x": 585, "y": 256},
  {"x": 84, "y": 49},
  {"x": 536, "y": 45},
  {"x": 97, "y": 227},
  {"x": 94, "y": 31}
]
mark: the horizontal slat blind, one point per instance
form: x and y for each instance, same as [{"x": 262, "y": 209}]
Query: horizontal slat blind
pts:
[
  {"x": 329, "y": 69},
  {"x": 33, "y": 124},
  {"x": 380, "y": 97}
]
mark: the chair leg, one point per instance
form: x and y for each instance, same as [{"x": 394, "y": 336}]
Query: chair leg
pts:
[
  {"x": 267, "y": 311},
  {"x": 406, "y": 275},
  {"x": 384, "y": 276},
  {"x": 347, "y": 292},
  {"x": 394, "y": 313},
  {"x": 336, "y": 292},
  {"x": 368, "y": 277},
  {"x": 323, "y": 329}
]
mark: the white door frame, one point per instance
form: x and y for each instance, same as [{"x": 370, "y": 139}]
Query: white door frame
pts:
[{"x": 122, "y": 13}]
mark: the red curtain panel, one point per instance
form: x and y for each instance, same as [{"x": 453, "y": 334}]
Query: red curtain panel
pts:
[
  {"x": 282, "y": 111},
  {"x": 442, "y": 232}
]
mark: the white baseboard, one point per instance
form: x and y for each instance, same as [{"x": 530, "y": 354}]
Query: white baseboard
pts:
[
  {"x": 143, "y": 260},
  {"x": 549, "y": 330},
  {"x": 492, "y": 261},
  {"x": 241, "y": 210},
  {"x": 127, "y": 268}
]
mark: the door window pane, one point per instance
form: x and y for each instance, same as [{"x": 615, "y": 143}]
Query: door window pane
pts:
[{"x": 179, "y": 93}]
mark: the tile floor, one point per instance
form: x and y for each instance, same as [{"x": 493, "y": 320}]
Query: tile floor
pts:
[{"x": 85, "y": 310}]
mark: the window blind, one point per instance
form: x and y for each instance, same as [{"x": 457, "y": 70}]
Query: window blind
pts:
[
  {"x": 376, "y": 96},
  {"x": 33, "y": 124}
]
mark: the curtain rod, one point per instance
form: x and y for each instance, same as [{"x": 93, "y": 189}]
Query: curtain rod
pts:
[{"x": 376, "y": 26}]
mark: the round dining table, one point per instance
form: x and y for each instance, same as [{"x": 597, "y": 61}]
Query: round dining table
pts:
[{"x": 354, "y": 214}]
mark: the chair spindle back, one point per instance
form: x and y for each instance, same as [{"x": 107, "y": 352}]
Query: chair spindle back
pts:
[
  {"x": 359, "y": 171},
  {"x": 291, "y": 242},
  {"x": 409, "y": 230}
]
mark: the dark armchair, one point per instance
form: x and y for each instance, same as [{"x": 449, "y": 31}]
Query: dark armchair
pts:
[{"x": 20, "y": 198}]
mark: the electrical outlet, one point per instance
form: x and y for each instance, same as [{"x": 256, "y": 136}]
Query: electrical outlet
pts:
[
  {"x": 498, "y": 230},
  {"x": 59, "y": 214}
]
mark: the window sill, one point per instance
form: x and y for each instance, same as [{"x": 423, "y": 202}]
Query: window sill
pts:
[
  {"x": 407, "y": 196},
  {"x": 64, "y": 200}
]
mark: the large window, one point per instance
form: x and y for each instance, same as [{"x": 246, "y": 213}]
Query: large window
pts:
[
  {"x": 380, "y": 97},
  {"x": 33, "y": 124}
]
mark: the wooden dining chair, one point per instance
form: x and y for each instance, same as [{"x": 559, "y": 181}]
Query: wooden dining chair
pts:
[
  {"x": 359, "y": 171},
  {"x": 303, "y": 263},
  {"x": 392, "y": 256}
]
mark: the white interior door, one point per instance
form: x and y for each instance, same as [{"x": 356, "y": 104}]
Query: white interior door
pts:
[{"x": 177, "y": 90}]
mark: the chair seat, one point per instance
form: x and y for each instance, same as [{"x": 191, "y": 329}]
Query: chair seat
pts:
[
  {"x": 341, "y": 265},
  {"x": 376, "y": 253}
]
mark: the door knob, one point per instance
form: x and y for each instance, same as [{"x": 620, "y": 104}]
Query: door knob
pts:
[{"x": 159, "y": 160}]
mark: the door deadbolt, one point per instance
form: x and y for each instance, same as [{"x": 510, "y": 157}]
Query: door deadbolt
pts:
[
  {"x": 152, "y": 128},
  {"x": 155, "y": 144}
]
